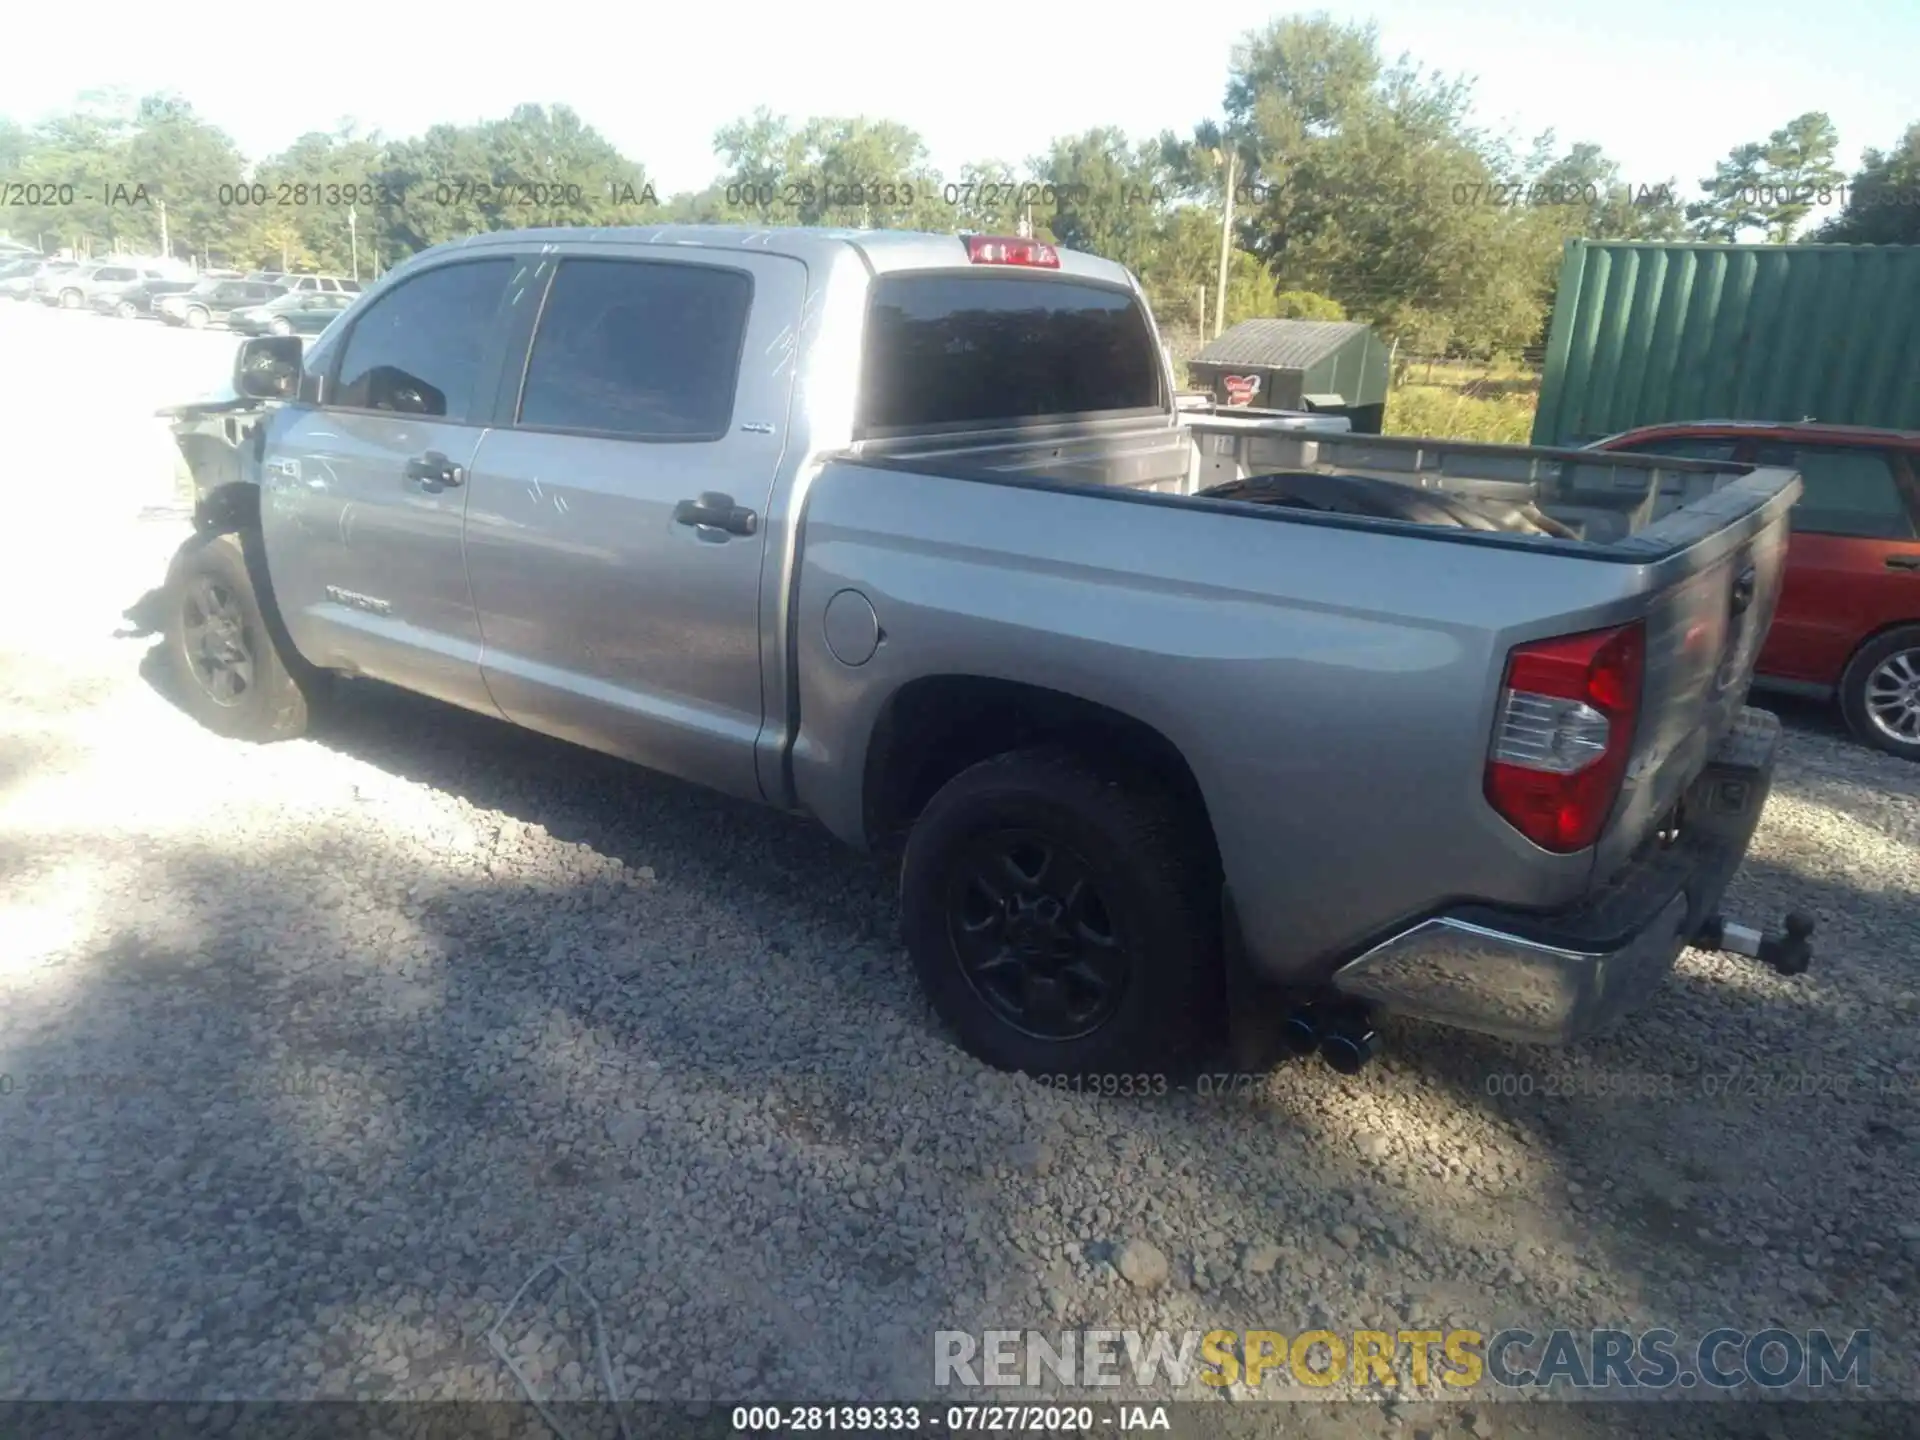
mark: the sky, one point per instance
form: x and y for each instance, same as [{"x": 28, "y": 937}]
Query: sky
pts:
[{"x": 1666, "y": 87}]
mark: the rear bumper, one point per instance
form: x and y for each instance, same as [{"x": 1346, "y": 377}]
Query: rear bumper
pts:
[{"x": 1553, "y": 979}]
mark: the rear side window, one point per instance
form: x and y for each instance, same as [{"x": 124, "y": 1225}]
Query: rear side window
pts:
[
  {"x": 416, "y": 350},
  {"x": 958, "y": 351},
  {"x": 639, "y": 349},
  {"x": 1849, "y": 491}
]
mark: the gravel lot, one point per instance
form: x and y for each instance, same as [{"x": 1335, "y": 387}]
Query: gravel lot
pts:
[{"x": 316, "y": 1051}]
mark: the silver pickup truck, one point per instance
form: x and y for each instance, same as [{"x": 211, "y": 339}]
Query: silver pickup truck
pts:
[{"x": 1176, "y": 715}]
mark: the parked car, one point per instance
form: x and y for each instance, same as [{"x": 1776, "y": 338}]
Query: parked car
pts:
[
  {"x": 906, "y": 532},
  {"x": 138, "y": 299},
  {"x": 1848, "y": 626},
  {"x": 110, "y": 281},
  {"x": 19, "y": 267},
  {"x": 52, "y": 279},
  {"x": 210, "y": 302},
  {"x": 298, "y": 312}
]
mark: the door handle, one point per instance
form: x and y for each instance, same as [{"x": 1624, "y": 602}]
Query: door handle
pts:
[
  {"x": 435, "y": 470},
  {"x": 1903, "y": 562},
  {"x": 716, "y": 512}
]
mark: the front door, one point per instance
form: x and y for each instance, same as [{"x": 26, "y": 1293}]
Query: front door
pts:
[
  {"x": 364, "y": 496},
  {"x": 616, "y": 524}
]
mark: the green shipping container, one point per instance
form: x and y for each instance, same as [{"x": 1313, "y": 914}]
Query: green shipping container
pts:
[{"x": 1650, "y": 332}]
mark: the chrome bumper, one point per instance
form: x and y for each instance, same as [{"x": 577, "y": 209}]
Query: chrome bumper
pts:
[{"x": 1554, "y": 979}]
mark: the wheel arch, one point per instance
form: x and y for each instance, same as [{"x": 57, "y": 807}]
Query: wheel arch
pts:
[{"x": 935, "y": 726}]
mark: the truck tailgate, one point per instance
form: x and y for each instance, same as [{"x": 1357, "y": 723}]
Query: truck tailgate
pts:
[{"x": 1704, "y": 628}]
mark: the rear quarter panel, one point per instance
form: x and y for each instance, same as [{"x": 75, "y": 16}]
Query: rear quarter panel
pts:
[{"x": 1331, "y": 688}]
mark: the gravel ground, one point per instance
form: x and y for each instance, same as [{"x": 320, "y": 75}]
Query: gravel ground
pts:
[{"x": 315, "y": 1052}]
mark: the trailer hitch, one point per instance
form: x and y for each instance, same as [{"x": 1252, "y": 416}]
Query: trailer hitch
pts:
[{"x": 1786, "y": 950}]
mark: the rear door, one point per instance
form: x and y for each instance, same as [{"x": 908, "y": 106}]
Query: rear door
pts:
[
  {"x": 364, "y": 494},
  {"x": 1853, "y": 564},
  {"x": 616, "y": 522}
]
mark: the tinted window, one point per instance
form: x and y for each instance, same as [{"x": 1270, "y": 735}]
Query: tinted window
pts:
[
  {"x": 1689, "y": 447},
  {"x": 962, "y": 350},
  {"x": 1849, "y": 491},
  {"x": 639, "y": 349},
  {"x": 113, "y": 273},
  {"x": 417, "y": 348}
]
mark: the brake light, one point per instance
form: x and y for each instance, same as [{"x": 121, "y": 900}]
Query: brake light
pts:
[
  {"x": 1011, "y": 250},
  {"x": 1564, "y": 734}
]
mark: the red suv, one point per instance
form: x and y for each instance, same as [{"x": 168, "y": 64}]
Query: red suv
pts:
[{"x": 1848, "y": 622}]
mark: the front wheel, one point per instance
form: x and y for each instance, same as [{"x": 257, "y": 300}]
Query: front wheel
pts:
[
  {"x": 126, "y": 310},
  {"x": 1880, "y": 693},
  {"x": 280, "y": 327},
  {"x": 229, "y": 671},
  {"x": 197, "y": 319},
  {"x": 1058, "y": 919},
  {"x": 70, "y": 299}
]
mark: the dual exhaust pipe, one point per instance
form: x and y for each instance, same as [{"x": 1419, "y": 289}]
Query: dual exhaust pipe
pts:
[{"x": 1343, "y": 1035}]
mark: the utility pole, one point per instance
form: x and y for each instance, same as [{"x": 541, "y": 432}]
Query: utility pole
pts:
[
  {"x": 1226, "y": 249},
  {"x": 353, "y": 239},
  {"x": 166, "y": 249}
]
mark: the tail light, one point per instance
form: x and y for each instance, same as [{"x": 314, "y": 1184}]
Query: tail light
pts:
[
  {"x": 1011, "y": 250},
  {"x": 1564, "y": 733}
]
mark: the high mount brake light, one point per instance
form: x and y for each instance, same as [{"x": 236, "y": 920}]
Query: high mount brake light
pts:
[
  {"x": 1564, "y": 734},
  {"x": 1011, "y": 250}
]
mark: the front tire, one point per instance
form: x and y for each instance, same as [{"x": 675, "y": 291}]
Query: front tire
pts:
[
  {"x": 126, "y": 310},
  {"x": 1880, "y": 693},
  {"x": 70, "y": 299},
  {"x": 197, "y": 319},
  {"x": 229, "y": 670},
  {"x": 1059, "y": 920},
  {"x": 280, "y": 327}
]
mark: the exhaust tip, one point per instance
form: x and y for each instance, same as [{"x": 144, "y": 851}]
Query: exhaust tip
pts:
[
  {"x": 1300, "y": 1032},
  {"x": 1348, "y": 1051}
]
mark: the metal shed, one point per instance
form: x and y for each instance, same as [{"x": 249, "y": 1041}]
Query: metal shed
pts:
[
  {"x": 1331, "y": 367},
  {"x": 1647, "y": 332}
]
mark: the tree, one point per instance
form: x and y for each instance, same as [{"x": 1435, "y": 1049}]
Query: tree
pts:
[
  {"x": 1883, "y": 198},
  {"x": 535, "y": 167},
  {"x": 1772, "y": 186},
  {"x": 190, "y": 168},
  {"x": 1106, "y": 195},
  {"x": 848, "y": 171},
  {"x": 1584, "y": 186},
  {"x": 1371, "y": 187}
]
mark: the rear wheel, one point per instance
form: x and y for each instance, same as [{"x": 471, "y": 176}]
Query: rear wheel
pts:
[
  {"x": 1057, "y": 920},
  {"x": 230, "y": 672},
  {"x": 1880, "y": 692}
]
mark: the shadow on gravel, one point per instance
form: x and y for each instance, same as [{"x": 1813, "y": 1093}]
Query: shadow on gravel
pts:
[{"x": 743, "y": 1014}]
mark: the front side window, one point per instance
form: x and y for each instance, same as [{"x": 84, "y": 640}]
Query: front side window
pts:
[
  {"x": 416, "y": 350},
  {"x": 639, "y": 349}
]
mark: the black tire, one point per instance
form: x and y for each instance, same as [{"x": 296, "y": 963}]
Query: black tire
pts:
[
  {"x": 228, "y": 660},
  {"x": 1147, "y": 894},
  {"x": 1878, "y": 693}
]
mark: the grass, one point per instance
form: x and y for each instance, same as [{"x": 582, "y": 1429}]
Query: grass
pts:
[{"x": 1452, "y": 401}]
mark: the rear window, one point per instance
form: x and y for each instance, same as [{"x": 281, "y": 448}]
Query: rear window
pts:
[{"x": 962, "y": 351}]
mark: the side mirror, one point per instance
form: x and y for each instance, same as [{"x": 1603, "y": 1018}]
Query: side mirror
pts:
[{"x": 268, "y": 367}]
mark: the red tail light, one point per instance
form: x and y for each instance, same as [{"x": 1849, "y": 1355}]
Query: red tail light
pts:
[
  {"x": 1011, "y": 250},
  {"x": 1564, "y": 734}
]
